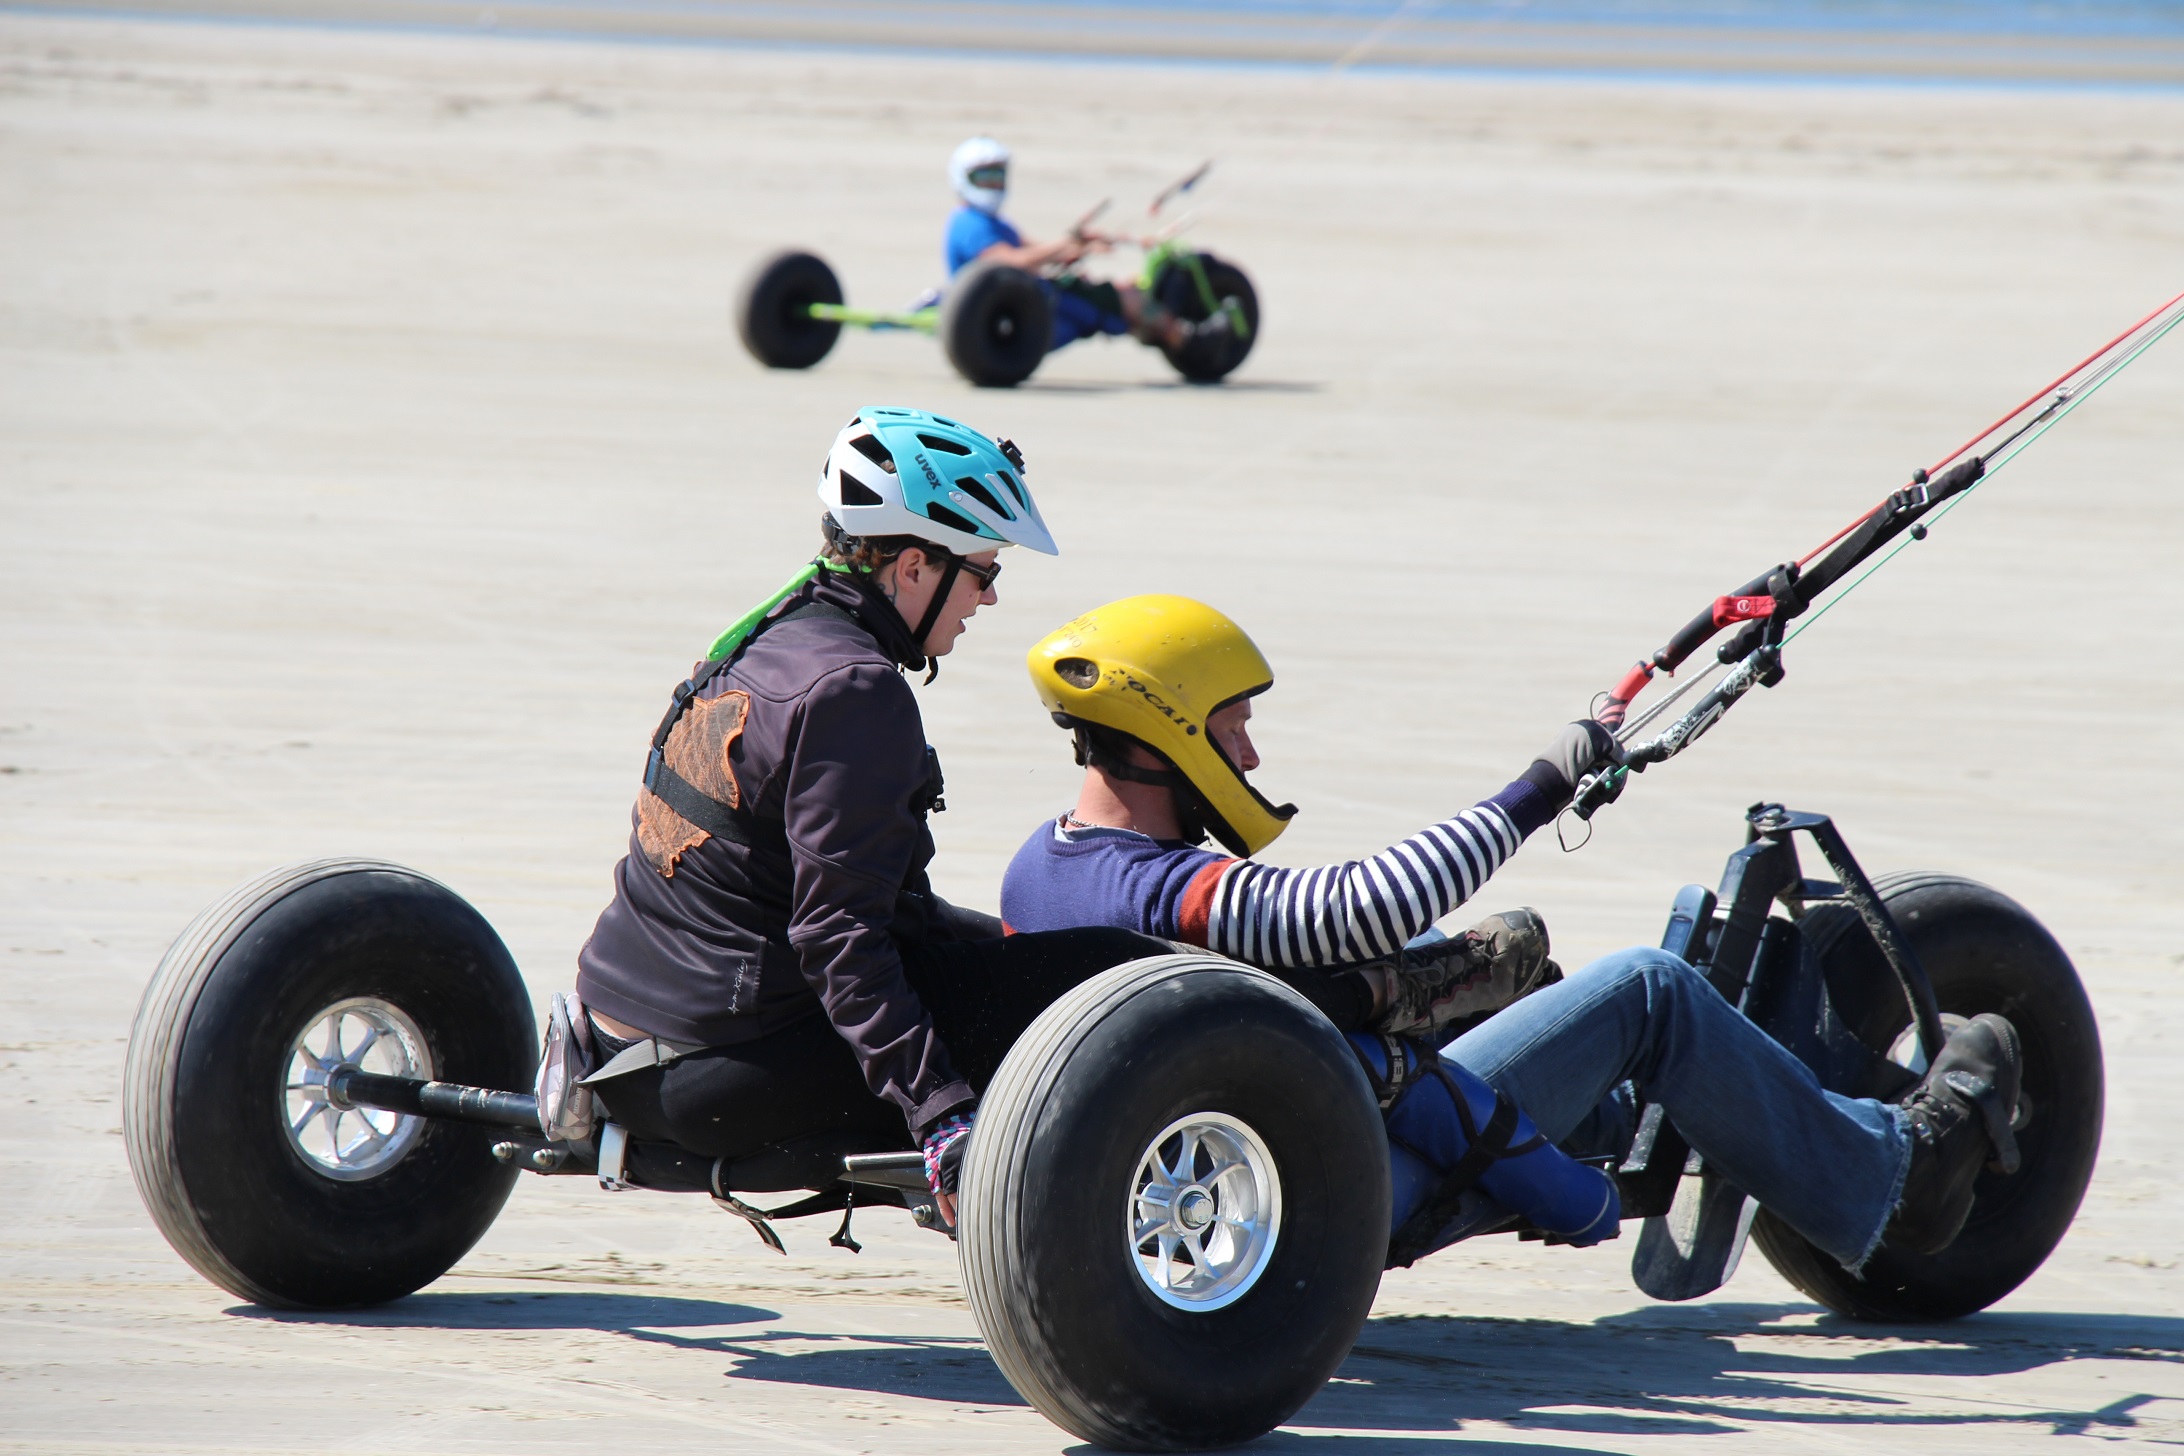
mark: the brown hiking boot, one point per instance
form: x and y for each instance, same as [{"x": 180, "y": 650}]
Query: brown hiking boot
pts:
[{"x": 1445, "y": 988}]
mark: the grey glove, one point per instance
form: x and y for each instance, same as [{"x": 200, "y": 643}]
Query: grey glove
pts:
[{"x": 1576, "y": 752}]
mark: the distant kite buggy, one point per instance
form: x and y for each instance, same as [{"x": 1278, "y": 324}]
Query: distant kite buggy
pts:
[{"x": 1009, "y": 303}]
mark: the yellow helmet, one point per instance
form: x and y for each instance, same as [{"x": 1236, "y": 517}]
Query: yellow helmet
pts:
[{"x": 1155, "y": 668}]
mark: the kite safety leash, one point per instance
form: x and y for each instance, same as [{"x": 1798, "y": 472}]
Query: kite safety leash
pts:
[{"x": 1762, "y": 609}]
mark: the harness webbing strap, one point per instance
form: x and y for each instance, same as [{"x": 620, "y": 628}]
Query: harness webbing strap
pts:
[
  {"x": 1484, "y": 1146},
  {"x": 717, "y": 818},
  {"x": 694, "y": 804}
]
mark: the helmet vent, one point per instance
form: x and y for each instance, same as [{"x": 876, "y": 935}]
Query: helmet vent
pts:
[
  {"x": 1010, "y": 481},
  {"x": 870, "y": 447},
  {"x": 977, "y": 491},
  {"x": 935, "y": 511},
  {"x": 942, "y": 442},
  {"x": 1078, "y": 672},
  {"x": 856, "y": 493}
]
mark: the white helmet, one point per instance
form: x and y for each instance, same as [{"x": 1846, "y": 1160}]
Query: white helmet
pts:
[
  {"x": 980, "y": 171},
  {"x": 908, "y": 472}
]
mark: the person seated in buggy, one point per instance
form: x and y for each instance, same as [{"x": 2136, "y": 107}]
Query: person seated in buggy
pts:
[
  {"x": 1157, "y": 692},
  {"x": 979, "y": 172},
  {"x": 774, "y": 976}
]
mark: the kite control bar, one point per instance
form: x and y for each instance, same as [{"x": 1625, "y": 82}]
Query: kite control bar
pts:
[
  {"x": 1763, "y": 607},
  {"x": 1080, "y": 230},
  {"x": 1178, "y": 188},
  {"x": 1761, "y": 610}
]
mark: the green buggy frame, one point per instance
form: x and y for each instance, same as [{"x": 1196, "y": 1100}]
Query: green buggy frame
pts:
[{"x": 995, "y": 322}]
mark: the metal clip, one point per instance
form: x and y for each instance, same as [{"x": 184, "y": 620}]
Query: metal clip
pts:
[{"x": 613, "y": 1149}]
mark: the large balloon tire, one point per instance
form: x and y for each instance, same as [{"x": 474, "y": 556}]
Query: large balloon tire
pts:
[
  {"x": 770, "y": 310},
  {"x": 996, "y": 325},
  {"x": 1198, "y": 360},
  {"x": 1984, "y": 952},
  {"x": 1050, "y": 1189},
  {"x": 205, "y": 1108}
]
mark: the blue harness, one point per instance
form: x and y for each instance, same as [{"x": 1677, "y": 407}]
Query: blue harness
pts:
[{"x": 1450, "y": 1133}]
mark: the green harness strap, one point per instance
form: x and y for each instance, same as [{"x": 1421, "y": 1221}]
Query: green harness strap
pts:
[
  {"x": 727, "y": 642},
  {"x": 685, "y": 798}
]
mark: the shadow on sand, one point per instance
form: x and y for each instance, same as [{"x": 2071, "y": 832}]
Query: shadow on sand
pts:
[
  {"x": 1149, "y": 386},
  {"x": 1712, "y": 1370},
  {"x": 628, "y": 1314},
  {"x": 1659, "y": 1371}
]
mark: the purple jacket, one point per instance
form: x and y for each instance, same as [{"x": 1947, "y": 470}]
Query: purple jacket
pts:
[{"x": 817, "y": 741}]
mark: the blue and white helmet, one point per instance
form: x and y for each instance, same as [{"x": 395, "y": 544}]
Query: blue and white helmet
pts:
[
  {"x": 980, "y": 171},
  {"x": 909, "y": 472}
]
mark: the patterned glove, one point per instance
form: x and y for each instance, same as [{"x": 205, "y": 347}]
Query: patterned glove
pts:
[
  {"x": 944, "y": 1149},
  {"x": 1452, "y": 984}
]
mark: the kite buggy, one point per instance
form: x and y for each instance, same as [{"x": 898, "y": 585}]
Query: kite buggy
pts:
[
  {"x": 1166, "y": 1246},
  {"x": 1006, "y": 307}
]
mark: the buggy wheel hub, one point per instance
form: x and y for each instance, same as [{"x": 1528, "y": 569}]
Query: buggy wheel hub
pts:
[
  {"x": 1205, "y": 1212},
  {"x": 336, "y": 1139}
]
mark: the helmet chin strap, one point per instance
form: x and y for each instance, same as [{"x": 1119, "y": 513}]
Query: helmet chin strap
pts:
[
  {"x": 1189, "y": 814},
  {"x": 934, "y": 608},
  {"x": 1115, "y": 768}
]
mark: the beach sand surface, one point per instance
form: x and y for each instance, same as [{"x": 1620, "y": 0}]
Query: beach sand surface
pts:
[{"x": 376, "y": 451}]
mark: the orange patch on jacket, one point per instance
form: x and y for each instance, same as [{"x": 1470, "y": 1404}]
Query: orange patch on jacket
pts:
[{"x": 697, "y": 750}]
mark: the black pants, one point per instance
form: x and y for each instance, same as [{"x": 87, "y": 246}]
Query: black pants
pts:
[{"x": 803, "y": 1081}]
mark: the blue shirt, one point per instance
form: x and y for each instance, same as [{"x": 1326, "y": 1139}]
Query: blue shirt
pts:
[
  {"x": 971, "y": 232},
  {"x": 1117, "y": 877}
]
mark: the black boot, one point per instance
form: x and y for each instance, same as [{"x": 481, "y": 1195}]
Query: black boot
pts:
[
  {"x": 1960, "y": 1119},
  {"x": 1211, "y": 333}
]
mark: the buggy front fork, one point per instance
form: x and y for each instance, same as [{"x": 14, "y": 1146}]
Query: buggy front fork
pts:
[
  {"x": 1757, "y": 961},
  {"x": 1176, "y": 254}
]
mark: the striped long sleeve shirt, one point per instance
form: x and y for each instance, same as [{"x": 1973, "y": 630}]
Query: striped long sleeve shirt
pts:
[{"x": 1329, "y": 915}]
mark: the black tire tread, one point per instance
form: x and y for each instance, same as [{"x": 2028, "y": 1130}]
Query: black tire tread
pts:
[
  {"x": 1178, "y": 293},
  {"x": 1000, "y": 1140},
  {"x": 959, "y": 338},
  {"x": 148, "y": 1093},
  {"x": 771, "y": 339},
  {"x": 1816, "y": 1274}
]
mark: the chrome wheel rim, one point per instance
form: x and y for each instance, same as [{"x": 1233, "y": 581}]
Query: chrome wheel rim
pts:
[
  {"x": 335, "y": 1139},
  {"x": 1205, "y": 1212}
]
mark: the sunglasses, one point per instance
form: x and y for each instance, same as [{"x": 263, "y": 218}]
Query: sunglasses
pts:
[{"x": 986, "y": 576}]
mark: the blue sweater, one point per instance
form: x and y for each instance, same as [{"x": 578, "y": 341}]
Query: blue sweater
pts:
[{"x": 1329, "y": 915}]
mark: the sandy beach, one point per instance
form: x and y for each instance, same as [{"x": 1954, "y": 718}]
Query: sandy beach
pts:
[{"x": 376, "y": 452}]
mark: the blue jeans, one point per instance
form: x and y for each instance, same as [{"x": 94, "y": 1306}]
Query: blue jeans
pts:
[
  {"x": 1078, "y": 313},
  {"x": 1829, "y": 1166}
]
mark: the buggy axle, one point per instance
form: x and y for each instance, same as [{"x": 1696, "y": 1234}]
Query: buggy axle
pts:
[{"x": 350, "y": 1086}]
